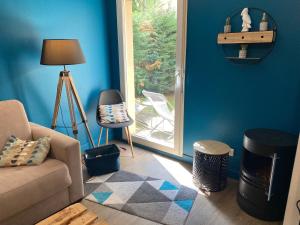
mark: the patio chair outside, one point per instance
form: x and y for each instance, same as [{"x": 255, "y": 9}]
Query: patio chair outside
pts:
[{"x": 160, "y": 105}]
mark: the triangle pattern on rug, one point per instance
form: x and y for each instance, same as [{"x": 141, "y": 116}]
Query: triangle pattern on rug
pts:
[
  {"x": 124, "y": 190},
  {"x": 116, "y": 206},
  {"x": 90, "y": 187},
  {"x": 154, "y": 211},
  {"x": 124, "y": 176},
  {"x": 101, "y": 197},
  {"x": 151, "y": 178},
  {"x": 92, "y": 198},
  {"x": 185, "y": 204},
  {"x": 175, "y": 215},
  {"x": 154, "y": 199},
  {"x": 168, "y": 186},
  {"x": 171, "y": 194},
  {"x": 156, "y": 183},
  {"x": 113, "y": 199},
  {"x": 147, "y": 193},
  {"x": 103, "y": 188},
  {"x": 100, "y": 179},
  {"x": 186, "y": 193}
]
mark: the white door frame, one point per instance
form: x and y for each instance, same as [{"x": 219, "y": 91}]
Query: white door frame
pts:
[{"x": 180, "y": 74}]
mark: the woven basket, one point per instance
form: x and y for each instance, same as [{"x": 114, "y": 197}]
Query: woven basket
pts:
[{"x": 210, "y": 169}]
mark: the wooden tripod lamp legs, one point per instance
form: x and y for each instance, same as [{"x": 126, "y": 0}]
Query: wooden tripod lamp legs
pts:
[
  {"x": 80, "y": 109},
  {"x": 128, "y": 135},
  {"x": 57, "y": 100},
  {"x": 71, "y": 108},
  {"x": 65, "y": 78}
]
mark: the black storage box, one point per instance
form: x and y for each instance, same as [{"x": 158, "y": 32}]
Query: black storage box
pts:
[{"x": 102, "y": 160}]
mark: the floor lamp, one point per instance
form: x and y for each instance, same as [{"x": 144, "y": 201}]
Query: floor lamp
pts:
[{"x": 65, "y": 52}]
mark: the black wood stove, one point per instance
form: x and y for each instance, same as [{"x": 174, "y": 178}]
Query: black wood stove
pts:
[{"x": 266, "y": 170}]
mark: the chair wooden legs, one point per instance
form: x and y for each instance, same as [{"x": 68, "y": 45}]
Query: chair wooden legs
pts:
[
  {"x": 128, "y": 135},
  {"x": 126, "y": 132},
  {"x": 129, "y": 139},
  {"x": 100, "y": 135},
  {"x": 99, "y": 139},
  {"x": 107, "y": 135}
]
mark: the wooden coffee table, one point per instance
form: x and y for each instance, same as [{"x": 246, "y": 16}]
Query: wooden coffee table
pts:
[{"x": 75, "y": 214}]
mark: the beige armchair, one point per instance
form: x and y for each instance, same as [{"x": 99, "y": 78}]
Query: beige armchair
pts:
[{"x": 29, "y": 194}]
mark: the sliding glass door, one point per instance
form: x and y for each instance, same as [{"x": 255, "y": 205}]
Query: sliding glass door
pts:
[{"x": 152, "y": 62}]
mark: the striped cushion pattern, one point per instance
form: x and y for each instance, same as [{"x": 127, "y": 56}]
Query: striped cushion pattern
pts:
[{"x": 116, "y": 113}]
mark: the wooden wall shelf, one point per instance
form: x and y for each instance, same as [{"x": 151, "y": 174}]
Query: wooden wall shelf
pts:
[
  {"x": 244, "y": 60},
  {"x": 255, "y": 37}
]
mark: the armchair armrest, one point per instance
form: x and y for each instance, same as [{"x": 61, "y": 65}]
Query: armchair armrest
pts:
[{"x": 67, "y": 150}]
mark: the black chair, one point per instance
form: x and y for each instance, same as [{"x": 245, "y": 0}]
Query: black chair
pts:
[{"x": 111, "y": 97}]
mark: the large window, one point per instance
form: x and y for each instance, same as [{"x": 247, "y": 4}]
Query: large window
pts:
[{"x": 152, "y": 37}]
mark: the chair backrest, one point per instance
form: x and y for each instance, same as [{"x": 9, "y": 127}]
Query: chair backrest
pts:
[
  {"x": 110, "y": 97},
  {"x": 159, "y": 103},
  {"x": 13, "y": 121}
]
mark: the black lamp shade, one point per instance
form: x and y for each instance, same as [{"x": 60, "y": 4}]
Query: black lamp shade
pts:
[{"x": 61, "y": 52}]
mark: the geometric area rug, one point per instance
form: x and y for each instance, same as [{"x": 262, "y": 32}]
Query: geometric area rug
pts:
[{"x": 153, "y": 199}]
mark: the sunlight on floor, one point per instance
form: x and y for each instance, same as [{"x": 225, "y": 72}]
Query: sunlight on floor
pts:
[{"x": 181, "y": 174}]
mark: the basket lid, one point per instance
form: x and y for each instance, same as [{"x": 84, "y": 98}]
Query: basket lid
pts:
[{"x": 212, "y": 147}]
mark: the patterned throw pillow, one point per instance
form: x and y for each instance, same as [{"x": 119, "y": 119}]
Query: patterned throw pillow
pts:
[
  {"x": 17, "y": 152},
  {"x": 113, "y": 113}
]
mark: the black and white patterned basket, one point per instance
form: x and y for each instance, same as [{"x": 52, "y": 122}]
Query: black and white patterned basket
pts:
[{"x": 210, "y": 165}]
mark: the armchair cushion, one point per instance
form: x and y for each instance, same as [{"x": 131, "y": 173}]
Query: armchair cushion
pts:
[
  {"x": 23, "y": 187},
  {"x": 13, "y": 121},
  {"x": 67, "y": 150}
]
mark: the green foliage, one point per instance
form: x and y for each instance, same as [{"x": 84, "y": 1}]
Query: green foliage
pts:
[{"x": 154, "y": 34}]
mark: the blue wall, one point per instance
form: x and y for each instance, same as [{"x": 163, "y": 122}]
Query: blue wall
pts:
[
  {"x": 23, "y": 26},
  {"x": 223, "y": 99}
]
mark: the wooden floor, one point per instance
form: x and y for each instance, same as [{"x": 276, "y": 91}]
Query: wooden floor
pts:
[{"x": 209, "y": 209}]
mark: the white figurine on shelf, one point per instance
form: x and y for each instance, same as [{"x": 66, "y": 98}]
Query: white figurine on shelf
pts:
[{"x": 246, "y": 20}]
